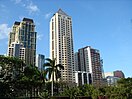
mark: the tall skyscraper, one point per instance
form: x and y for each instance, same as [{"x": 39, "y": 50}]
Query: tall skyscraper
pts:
[
  {"x": 61, "y": 44},
  {"x": 40, "y": 61},
  {"x": 88, "y": 60},
  {"x": 22, "y": 41}
]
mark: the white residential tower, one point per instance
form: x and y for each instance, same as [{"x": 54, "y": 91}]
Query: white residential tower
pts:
[{"x": 61, "y": 44}]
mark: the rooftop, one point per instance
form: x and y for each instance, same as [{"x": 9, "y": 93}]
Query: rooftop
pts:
[
  {"x": 27, "y": 19},
  {"x": 61, "y": 12},
  {"x": 17, "y": 23}
]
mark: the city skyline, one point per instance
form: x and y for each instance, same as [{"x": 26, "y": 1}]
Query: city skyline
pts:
[{"x": 104, "y": 25}]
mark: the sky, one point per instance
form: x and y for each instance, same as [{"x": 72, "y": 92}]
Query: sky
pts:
[{"x": 105, "y": 25}]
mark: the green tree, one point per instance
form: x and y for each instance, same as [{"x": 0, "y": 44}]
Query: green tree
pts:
[
  {"x": 32, "y": 80},
  {"x": 11, "y": 70},
  {"x": 125, "y": 87},
  {"x": 87, "y": 90},
  {"x": 72, "y": 92},
  {"x": 53, "y": 71}
]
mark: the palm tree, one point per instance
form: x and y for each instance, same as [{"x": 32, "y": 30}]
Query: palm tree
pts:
[{"x": 53, "y": 70}]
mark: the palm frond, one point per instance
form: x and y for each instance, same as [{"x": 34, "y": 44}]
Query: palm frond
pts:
[
  {"x": 53, "y": 62},
  {"x": 49, "y": 60},
  {"x": 47, "y": 64},
  {"x": 49, "y": 72},
  {"x": 60, "y": 66},
  {"x": 44, "y": 75},
  {"x": 58, "y": 74}
]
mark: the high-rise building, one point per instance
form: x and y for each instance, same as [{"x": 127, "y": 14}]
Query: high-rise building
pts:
[
  {"x": 40, "y": 61},
  {"x": 88, "y": 60},
  {"x": 119, "y": 73},
  {"x": 22, "y": 41},
  {"x": 61, "y": 44}
]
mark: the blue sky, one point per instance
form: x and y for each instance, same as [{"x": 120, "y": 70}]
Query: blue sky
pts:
[{"x": 105, "y": 25}]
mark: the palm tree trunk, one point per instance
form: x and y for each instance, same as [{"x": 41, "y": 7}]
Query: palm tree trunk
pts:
[{"x": 52, "y": 85}]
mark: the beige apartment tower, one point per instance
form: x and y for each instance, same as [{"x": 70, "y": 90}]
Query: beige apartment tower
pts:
[
  {"x": 22, "y": 41},
  {"x": 61, "y": 44}
]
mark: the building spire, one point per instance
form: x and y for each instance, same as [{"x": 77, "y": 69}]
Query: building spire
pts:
[{"x": 61, "y": 12}]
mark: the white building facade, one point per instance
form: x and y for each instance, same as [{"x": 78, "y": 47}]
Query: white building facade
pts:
[
  {"x": 61, "y": 44},
  {"x": 82, "y": 77},
  {"x": 14, "y": 49},
  {"x": 17, "y": 50}
]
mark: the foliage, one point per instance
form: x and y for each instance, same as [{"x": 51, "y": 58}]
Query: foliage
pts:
[
  {"x": 123, "y": 90},
  {"x": 44, "y": 95},
  {"x": 71, "y": 92},
  {"x": 10, "y": 73},
  {"x": 19, "y": 80}
]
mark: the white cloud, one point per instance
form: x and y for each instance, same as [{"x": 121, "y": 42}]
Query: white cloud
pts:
[
  {"x": 24, "y": 5},
  {"x": 39, "y": 36},
  {"x": 17, "y": 1},
  {"x": 47, "y": 15},
  {"x": 32, "y": 8},
  {"x": 27, "y": 4},
  {"x": 20, "y": 2},
  {"x": 37, "y": 23},
  {"x": 4, "y": 30},
  {"x": 2, "y": 6},
  {"x": 21, "y": 17}
]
